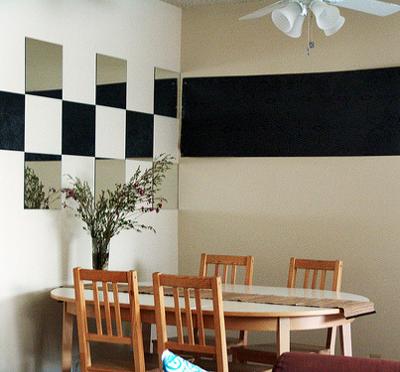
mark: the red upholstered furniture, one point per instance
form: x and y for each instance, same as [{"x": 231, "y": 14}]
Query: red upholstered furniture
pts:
[{"x": 309, "y": 362}]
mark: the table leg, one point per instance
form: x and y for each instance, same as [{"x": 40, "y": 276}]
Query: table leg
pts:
[
  {"x": 345, "y": 339},
  {"x": 67, "y": 328},
  {"x": 331, "y": 340},
  {"x": 283, "y": 336},
  {"x": 146, "y": 331}
]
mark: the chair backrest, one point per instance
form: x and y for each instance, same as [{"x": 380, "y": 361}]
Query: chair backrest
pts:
[
  {"x": 318, "y": 270},
  {"x": 105, "y": 304},
  {"x": 186, "y": 309},
  {"x": 224, "y": 263}
]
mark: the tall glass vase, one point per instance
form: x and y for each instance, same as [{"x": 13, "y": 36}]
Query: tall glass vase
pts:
[{"x": 100, "y": 253}]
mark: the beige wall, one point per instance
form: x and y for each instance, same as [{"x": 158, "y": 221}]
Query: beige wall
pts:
[{"x": 274, "y": 208}]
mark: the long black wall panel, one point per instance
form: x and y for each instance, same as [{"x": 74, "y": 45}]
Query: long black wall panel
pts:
[{"x": 351, "y": 113}]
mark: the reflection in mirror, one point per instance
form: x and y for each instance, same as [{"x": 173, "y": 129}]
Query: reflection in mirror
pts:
[
  {"x": 169, "y": 188},
  {"x": 43, "y": 66},
  {"x": 133, "y": 164},
  {"x": 111, "y": 80},
  {"x": 131, "y": 167},
  {"x": 166, "y": 88},
  {"x": 108, "y": 172},
  {"x": 42, "y": 181}
]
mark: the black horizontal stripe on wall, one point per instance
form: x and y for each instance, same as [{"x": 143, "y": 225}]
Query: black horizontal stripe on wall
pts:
[
  {"x": 166, "y": 97},
  {"x": 12, "y": 121},
  {"x": 139, "y": 135},
  {"x": 41, "y": 157},
  {"x": 350, "y": 113},
  {"x": 113, "y": 95},
  {"x": 78, "y": 129}
]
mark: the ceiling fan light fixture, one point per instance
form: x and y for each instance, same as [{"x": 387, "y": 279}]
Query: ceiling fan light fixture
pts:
[
  {"x": 336, "y": 28},
  {"x": 297, "y": 28},
  {"x": 326, "y": 16},
  {"x": 285, "y": 18}
]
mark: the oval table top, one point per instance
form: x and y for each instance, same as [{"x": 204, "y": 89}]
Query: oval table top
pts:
[{"x": 235, "y": 308}]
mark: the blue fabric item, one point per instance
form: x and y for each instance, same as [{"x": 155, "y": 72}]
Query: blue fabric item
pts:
[{"x": 174, "y": 363}]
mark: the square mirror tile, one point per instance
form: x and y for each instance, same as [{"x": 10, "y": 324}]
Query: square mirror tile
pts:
[
  {"x": 111, "y": 79},
  {"x": 166, "y": 136},
  {"x": 42, "y": 176},
  {"x": 166, "y": 88},
  {"x": 108, "y": 173},
  {"x": 43, "y": 65}
]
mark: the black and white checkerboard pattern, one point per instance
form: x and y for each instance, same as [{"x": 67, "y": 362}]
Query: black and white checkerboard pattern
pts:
[
  {"x": 44, "y": 124},
  {"x": 38, "y": 124}
]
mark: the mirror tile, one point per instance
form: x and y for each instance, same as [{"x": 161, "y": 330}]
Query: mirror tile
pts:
[
  {"x": 108, "y": 173},
  {"x": 42, "y": 175},
  {"x": 43, "y": 65},
  {"x": 111, "y": 81},
  {"x": 166, "y": 88}
]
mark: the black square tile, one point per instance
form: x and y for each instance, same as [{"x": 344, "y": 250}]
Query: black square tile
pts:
[
  {"x": 113, "y": 95},
  {"x": 166, "y": 97},
  {"x": 12, "y": 121},
  {"x": 78, "y": 129},
  {"x": 139, "y": 135}
]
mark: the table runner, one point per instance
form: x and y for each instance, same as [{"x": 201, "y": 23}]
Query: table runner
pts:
[{"x": 351, "y": 309}]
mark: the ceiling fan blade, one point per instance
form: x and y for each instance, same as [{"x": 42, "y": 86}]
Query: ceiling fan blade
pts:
[
  {"x": 264, "y": 11},
  {"x": 375, "y": 7}
]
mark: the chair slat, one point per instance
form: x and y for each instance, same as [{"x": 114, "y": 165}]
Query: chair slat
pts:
[
  {"x": 107, "y": 310},
  {"x": 188, "y": 316},
  {"x": 178, "y": 316},
  {"x": 225, "y": 277},
  {"x": 233, "y": 274},
  {"x": 97, "y": 312},
  {"x": 216, "y": 270},
  {"x": 199, "y": 317},
  {"x": 314, "y": 279},
  {"x": 322, "y": 280},
  {"x": 117, "y": 309}
]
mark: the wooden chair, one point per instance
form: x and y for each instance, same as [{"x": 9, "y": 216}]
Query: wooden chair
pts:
[
  {"x": 106, "y": 308},
  {"x": 315, "y": 277},
  {"x": 227, "y": 264},
  {"x": 188, "y": 313},
  {"x": 227, "y": 267}
]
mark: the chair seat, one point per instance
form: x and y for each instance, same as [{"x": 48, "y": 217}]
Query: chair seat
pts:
[
  {"x": 210, "y": 365},
  {"x": 266, "y": 353},
  {"x": 231, "y": 342}
]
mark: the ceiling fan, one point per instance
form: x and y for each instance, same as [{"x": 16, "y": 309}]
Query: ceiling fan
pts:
[{"x": 289, "y": 15}]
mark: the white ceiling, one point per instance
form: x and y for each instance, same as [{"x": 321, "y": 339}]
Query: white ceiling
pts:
[{"x": 187, "y": 3}]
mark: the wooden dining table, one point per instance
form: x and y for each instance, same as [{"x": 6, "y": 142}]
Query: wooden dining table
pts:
[{"x": 238, "y": 315}]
